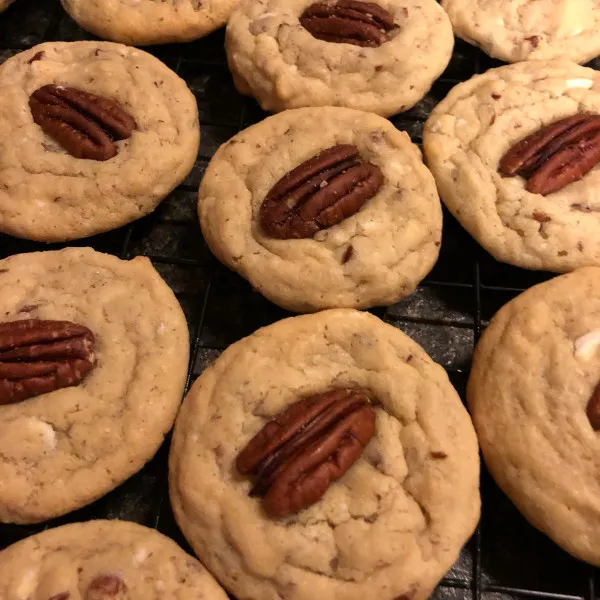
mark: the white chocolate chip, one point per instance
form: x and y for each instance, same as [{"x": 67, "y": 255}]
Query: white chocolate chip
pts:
[
  {"x": 572, "y": 16},
  {"x": 398, "y": 169},
  {"x": 579, "y": 83},
  {"x": 27, "y": 438},
  {"x": 586, "y": 345},
  {"x": 141, "y": 554}
]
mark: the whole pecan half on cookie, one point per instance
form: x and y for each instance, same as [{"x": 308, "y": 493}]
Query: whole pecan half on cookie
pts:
[
  {"x": 593, "y": 409},
  {"x": 312, "y": 443},
  {"x": 37, "y": 357},
  {"x": 349, "y": 22},
  {"x": 319, "y": 193},
  {"x": 555, "y": 155},
  {"x": 84, "y": 124}
]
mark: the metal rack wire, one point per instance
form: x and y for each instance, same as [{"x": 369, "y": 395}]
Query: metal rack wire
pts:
[{"x": 506, "y": 558}]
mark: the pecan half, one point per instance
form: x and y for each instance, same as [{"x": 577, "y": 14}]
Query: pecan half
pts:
[
  {"x": 312, "y": 443},
  {"x": 319, "y": 193},
  {"x": 106, "y": 587},
  {"x": 593, "y": 409},
  {"x": 38, "y": 357},
  {"x": 348, "y": 22},
  {"x": 556, "y": 155},
  {"x": 84, "y": 124}
]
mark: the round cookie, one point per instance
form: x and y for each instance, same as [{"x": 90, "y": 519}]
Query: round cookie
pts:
[
  {"x": 374, "y": 257},
  {"x": 103, "y": 559},
  {"x": 46, "y": 193},
  {"x": 475, "y": 125},
  {"x": 534, "y": 372},
  {"x": 4, "y": 4},
  {"x": 390, "y": 527},
  {"x": 146, "y": 22},
  {"x": 275, "y": 59},
  {"x": 63, "y": 449},
  {"x": 523, "y": 30}
]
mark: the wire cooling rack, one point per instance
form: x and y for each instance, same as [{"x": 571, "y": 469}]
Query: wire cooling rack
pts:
[{"x": 506, "y": 558}]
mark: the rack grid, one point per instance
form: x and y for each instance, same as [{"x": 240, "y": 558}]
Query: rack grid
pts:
[{"x": 506, "y": 558}]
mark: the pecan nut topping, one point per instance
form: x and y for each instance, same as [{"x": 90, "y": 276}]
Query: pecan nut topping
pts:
[
  {"x": 106, "y": 587},
  {"x": 84, "y": 124},
  {"x": 312, "y": 443},
  {"x": 556, "y": 155},
  {"x": 319, "y": 193},
  {"x": 38, "y": 357},
  {"x": 349, "y": 22},
  {"x": 593, "y": 409}
]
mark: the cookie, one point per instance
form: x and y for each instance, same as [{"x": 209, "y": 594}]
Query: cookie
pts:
[
  {"x": 82, "y": 406},
  {"x": 145, "y": 22},
  {"x": 467, "y": 138},
  {"x": 103, "y": 559},
  {"x": 390, "y": 527},
  {"x": 56, "y": 184},
  {"x": 534, "y": 395},
  {"x": 374, "y": 256},
  {"x": 515, "y": 31},
  {"x": 4, "y": 4},
  {"x": 378, "y": 56}
]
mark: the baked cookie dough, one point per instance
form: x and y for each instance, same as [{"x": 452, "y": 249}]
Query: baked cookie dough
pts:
[
  {"x": 374, "y": 257},
  {"x": 46, "y": 194},
  {"x": 101, "y": 560},
  {"x": 63, "y": 449},
  {"x": 146, "y": 22},
  {"x": 390, "y": 527},
  {"x": 275, "y": 59},
  {"x": 4, "y": 4},
  {"x": 523, "y": 30},
  {"x": 472, "y": 128},
  {"x": 534, "y": 373}
]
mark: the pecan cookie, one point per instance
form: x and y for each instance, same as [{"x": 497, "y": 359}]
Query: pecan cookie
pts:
[
  {"x": 534, "y": 393},
  {"x": 515, "y": 155},
  {"x": 378, "y": 56},
  {"x": 102, "y": 560},
  {"x": 146, "y": 22},
  {"x": 323, "y": 207},
  {"x": 325, "y": 456},
  {"x": 93, "y": 360},
  {"x": 93, "y": 135},
  {"x": 522, "y": 30}
]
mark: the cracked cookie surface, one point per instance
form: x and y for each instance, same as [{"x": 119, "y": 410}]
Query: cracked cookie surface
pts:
[
  {"x": 529, "y": 29},
  {"x": 534, "y": 371},
  {"x": 395, "y": 522},
  {"x": 123, "y": 559},
  {"x": 471, "y": 129},
  {"x": 147, "y": 22},
  {"x": 276, "y": 60},
  {"x": 46, "y": 194},
  {"x": 64, "y": 449},
  {"x": 374, "y": 257}
]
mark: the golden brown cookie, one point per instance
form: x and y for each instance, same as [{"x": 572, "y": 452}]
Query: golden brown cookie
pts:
[
  {"x": 81, "y": 411},
  {"x": 395, "y": 520}
]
